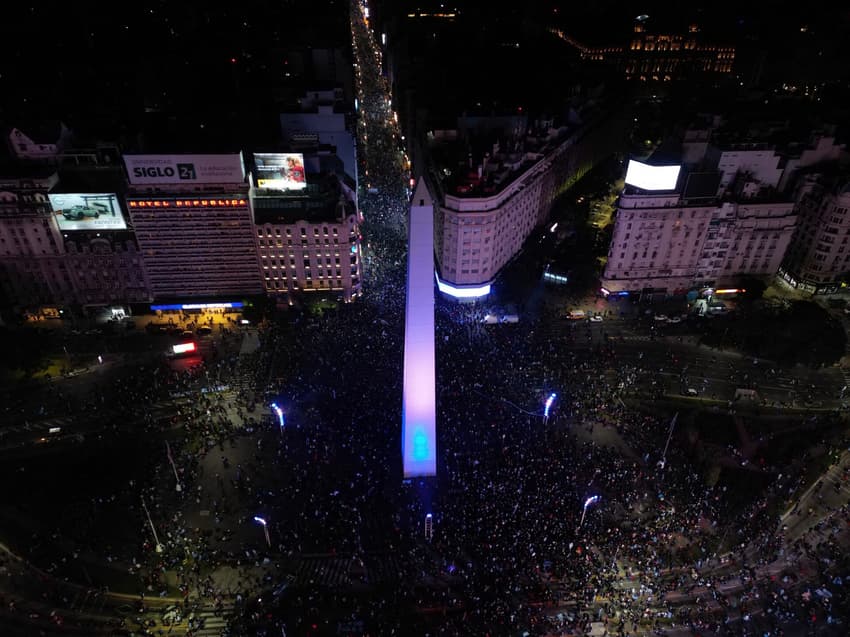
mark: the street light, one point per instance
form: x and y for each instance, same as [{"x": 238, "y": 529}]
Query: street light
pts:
[
  {"x": 153, "y": 529},
  {"x": 173, "y": 466},
  {"x": 265, "y": 525},
  {"x": 277, "y": 410},
  {"x": 548, "y": 405},
  {"x": 591, "y": 500},
  {"x": 663, "y": 462}
]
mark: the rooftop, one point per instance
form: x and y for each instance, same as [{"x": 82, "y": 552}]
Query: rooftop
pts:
[
  {"x": 92, "y": 181},
  {"x": 489, "y": 153},
  {"x": 11, "y": 171},
  {"x": 321, "y": 200}
]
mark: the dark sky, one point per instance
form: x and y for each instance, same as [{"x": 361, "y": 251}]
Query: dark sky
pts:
[
  {"x": 94, "y": 61},
  {"x": 100, "y": 63}
]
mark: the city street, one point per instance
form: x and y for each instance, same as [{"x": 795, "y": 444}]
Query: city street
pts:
[{"x": 601, "y": 477}]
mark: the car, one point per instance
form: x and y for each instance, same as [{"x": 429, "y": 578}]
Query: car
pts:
[
  {"x": 675, "y": 319},
  {"x": 660, "y": 317},
  {"x": 490, "y": 319},
  {"x": 509, "y": 318},
  {"x": 186, "y": 334},
  {"x": 596, "y": 319},
  {"x": 204, "y": 330},
  {"x": 575, "y": 315},
  {"x": 690, "y": 391},
  {"x": 75, "y": 213}
]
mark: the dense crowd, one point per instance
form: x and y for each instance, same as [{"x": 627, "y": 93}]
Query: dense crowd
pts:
[{"x": 543, "y": 526}]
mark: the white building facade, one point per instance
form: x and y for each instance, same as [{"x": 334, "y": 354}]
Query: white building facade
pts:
[
  {"x": 311, "y": 256},
  {"x": 740, "y": 226},
  {"x": 476, "y": 236},
  {"x": 665, "y": 244},
  {"x": 308, "y": 240}
]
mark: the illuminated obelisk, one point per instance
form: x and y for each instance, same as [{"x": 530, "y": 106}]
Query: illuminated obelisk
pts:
[{"x": 419, "y": 412}]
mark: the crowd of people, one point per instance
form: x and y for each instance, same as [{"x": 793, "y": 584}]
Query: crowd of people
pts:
[{"x": 548, "y": 524}]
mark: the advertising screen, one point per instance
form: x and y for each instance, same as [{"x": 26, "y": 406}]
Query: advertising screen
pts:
[
  {"x": 183, "y": 348},
  {"x": 86, "y": 211},
  {"x": 280, "y": 171},
  {"x": 182, "y": 169},
  {"x": 648, "y": 177}
]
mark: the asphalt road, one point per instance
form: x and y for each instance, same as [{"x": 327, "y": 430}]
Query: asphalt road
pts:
[{"x": 669, "y": 360}]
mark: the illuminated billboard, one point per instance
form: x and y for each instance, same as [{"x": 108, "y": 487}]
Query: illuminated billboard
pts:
[
  {"x": 87, "y": 211},
  {"x": 280, "y": 171},
  {"x": 185, "y": 169},
  {"x": 648, "y": 177}
]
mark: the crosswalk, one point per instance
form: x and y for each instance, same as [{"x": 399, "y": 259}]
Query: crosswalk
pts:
[
  {"x": 63, "y": 426},
  {"x": 330, "y": 571},
  {"x": 208, "y": 623},
  {"x": 845, "y": 373},
  {"x": 40, "y": 426}
]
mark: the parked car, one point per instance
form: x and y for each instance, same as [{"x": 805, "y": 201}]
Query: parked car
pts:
[
  {"x": 596, "y": 318},
  {"x": 575, "y": 315},
  {"x": 204, "y": 330}
]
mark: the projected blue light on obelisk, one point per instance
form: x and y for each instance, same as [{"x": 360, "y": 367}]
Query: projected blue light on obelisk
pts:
[{"x": 419, "y": 412}]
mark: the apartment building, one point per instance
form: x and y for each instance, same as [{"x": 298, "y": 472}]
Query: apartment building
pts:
[
  {"x": 730, "y": 214},
  {"x": 308, "y": 240},
  {"x": 818, "y": 259},
  {"x": 64, "y": 249},
  {"x": 193, "y": 222},
  {"x": 488, "y": 201}
]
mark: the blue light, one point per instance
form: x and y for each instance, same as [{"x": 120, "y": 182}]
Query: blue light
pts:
[
  {"x": 277, "y": 410},
  {"x": 592, "y": 500},
  {"x": 420, "y": 446},
  {"x": 548, "y": 404},
  {"x": 353, "y": 249},
  {"x": 198, "y": 306}
]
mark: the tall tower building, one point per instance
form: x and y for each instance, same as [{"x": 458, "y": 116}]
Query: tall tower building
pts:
[{"x": 419, "y": 411}]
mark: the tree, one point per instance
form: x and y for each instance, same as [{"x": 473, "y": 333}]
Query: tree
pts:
[
  {"x": 754, "y": 289},
  {"x": 23, "y": 349},
  {"x": 803, "y": 333}
]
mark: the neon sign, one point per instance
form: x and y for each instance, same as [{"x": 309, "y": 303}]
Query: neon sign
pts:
[{"x": 187, "y": 203}]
